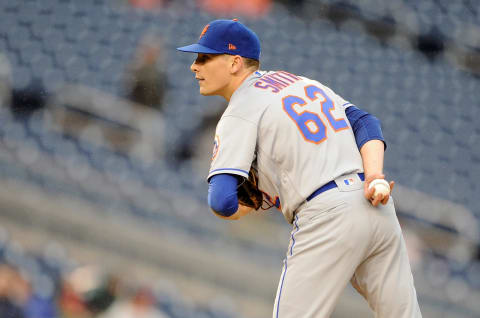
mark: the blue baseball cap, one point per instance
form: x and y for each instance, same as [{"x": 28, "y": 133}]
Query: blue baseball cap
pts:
[{"x": 226, "y": 37}]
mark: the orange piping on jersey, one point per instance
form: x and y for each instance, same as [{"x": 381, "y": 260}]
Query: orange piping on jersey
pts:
[
  {"x": 329, "y": 110},
  {"x": 299, "y": 114}
]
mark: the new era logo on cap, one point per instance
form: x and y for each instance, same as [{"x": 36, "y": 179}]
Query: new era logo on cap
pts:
[{"x": 226, "y": 37}]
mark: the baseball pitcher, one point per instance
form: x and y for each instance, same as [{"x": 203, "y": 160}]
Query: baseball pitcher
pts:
[{"x": 288, "y": 141}]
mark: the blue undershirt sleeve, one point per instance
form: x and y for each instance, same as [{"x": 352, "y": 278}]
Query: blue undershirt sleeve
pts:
[
  {"x": 365, "y": 126},
  {"x": 222, "y": 194}
]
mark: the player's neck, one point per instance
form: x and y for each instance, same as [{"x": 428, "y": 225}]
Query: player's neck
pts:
[{"x": 235, "y": 84}]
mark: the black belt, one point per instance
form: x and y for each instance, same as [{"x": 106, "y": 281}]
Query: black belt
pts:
[{"x": 330, "y": 185}]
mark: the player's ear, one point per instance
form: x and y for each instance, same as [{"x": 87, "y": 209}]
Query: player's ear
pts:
[{"x": 236, "y": 64}]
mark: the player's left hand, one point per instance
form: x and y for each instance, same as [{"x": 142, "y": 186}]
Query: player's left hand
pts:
[{"x": 369, "y": 193}]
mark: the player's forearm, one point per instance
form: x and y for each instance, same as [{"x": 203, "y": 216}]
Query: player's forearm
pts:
[
  {"x": 241, "y": 211},
  {"x": 372, "y": 153}
]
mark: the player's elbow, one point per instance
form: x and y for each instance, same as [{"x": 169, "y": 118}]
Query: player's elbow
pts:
[
  {"x": 222, "y": 195},
  {"x": 233, "y": 216},
  {"x": 223, "y": 205}
]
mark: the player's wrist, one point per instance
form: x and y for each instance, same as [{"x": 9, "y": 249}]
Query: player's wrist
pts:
[{"x": 370, "y": 176}]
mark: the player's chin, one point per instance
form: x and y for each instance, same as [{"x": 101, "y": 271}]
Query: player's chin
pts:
[{"x": 205, "y": 92}]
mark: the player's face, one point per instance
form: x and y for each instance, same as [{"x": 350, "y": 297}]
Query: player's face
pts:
[{"x": 212, "y": 73}]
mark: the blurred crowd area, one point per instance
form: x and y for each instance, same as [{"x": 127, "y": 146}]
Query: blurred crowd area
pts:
[
  {"x": 105, "y": 145},
  {"x": 50, "y": 284}
]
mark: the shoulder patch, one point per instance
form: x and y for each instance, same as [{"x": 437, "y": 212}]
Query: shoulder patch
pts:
[{"x": 216, "y": 146}]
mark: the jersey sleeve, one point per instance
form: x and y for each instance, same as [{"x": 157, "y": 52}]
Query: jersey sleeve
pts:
[
  {"x": 339, "y": 101},
  {"x": 234, "y": 146}
]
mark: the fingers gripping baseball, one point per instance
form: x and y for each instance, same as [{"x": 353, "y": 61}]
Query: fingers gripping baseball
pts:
[{"x": 378, "y": 190}]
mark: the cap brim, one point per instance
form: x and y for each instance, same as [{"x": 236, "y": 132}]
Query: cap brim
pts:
[{"x": 198, "y": 48}]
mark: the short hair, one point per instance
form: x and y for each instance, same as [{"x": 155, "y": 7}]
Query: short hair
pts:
[{"x": 251, "y": 63}]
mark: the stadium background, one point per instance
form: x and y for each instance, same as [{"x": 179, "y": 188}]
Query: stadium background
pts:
[{"x": 103, "y": 198}]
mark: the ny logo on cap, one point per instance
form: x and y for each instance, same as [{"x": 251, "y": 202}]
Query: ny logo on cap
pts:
[
  {"x": 204, "y": 31},
  {"x": 231, "y": 47}
]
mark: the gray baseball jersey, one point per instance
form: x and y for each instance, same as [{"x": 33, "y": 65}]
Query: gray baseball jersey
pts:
[
  {"x": 294, "y": 131},
  {"x": 273, "y": 115}
]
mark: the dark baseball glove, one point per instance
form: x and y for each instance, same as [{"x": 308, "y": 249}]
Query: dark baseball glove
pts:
[{"x": 248, "y": 192}]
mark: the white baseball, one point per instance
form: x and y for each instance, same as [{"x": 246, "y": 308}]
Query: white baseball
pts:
[{"x": 381, "y": 186}]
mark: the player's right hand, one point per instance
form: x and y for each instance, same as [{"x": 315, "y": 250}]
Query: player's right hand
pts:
[{"x": 369, "y": 193}]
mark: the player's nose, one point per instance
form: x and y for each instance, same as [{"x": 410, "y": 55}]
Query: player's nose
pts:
[{"x": 194, "y": 67}]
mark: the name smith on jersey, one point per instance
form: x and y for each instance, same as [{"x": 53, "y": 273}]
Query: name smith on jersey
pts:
[{"x": 276, "y": 81}]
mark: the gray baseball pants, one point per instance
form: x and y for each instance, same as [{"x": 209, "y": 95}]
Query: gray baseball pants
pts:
[{"x": 339, "y": 237}]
